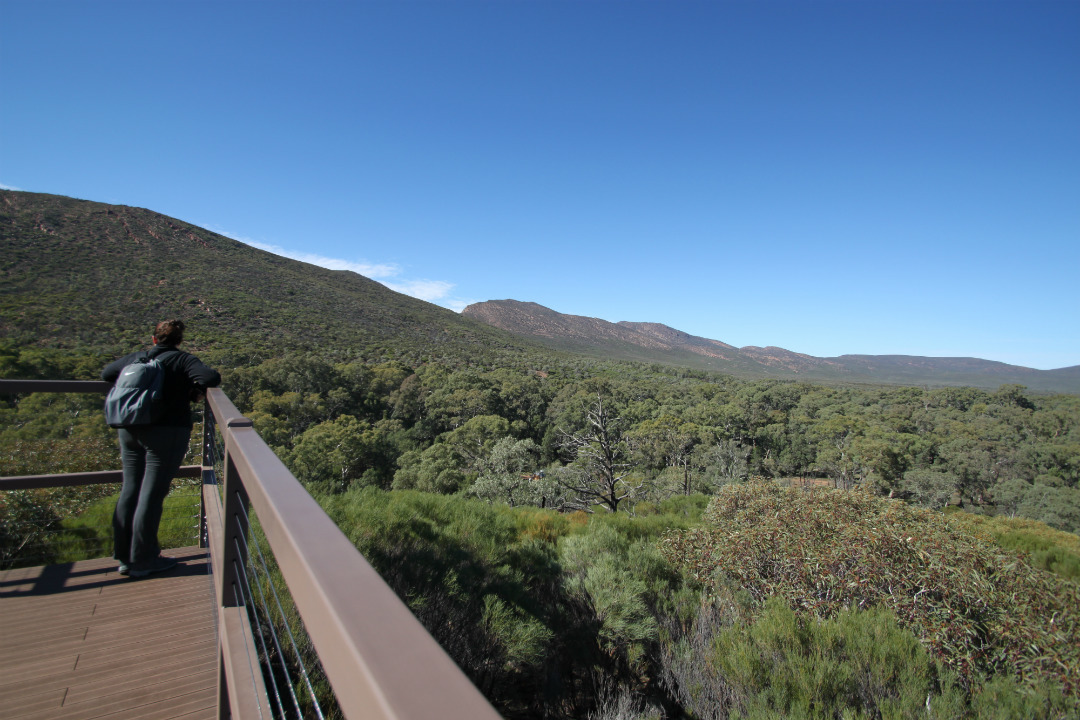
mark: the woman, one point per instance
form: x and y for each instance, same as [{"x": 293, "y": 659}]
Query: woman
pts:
[{"x": 151, "y": 454}]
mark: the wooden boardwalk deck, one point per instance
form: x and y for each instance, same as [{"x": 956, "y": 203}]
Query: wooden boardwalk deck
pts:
[{"x": 80, "y": 641}]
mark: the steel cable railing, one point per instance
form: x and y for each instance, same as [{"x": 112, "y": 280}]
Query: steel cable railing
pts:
[
  {"x": 261, "y": 611},
  {"x": 265, "y": 666},
  {"x": 254, "y": 664},
  {"x": 297, "y": 656},
  {"x": 257, "y": 652},
  {"x": 280, "y": 661}
]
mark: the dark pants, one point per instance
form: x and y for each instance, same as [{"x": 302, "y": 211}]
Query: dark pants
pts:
[{"x": 150, "y": 455}]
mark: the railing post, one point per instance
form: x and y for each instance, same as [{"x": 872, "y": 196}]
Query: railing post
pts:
[
  {"x": 233, "y": 559},
  {"x": 234, "y": 555}
]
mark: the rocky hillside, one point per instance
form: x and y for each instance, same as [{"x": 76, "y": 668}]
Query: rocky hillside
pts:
[
  {"x": 654, "y": 342},
  {"x": 92, "y": 278}
]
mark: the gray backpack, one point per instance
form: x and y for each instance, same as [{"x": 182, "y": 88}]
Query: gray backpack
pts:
[{"x": 136, "y": 398}]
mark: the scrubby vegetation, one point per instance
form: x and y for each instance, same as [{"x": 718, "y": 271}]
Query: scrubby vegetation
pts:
[
  {"x": 58, "y": 525},
  {"x": 979, "y": 608},
  {"x": 1043, "y": 546},
  {"x": 47, "y": 433},
  {"x": 544, "y": 514},
  {"x": 467, "y": 485},
  {"x": 436, "y": 425},
  {"x": 560, "y": 615}
]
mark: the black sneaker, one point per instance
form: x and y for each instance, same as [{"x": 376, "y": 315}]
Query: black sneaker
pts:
[{"x": 158, "y": 564}]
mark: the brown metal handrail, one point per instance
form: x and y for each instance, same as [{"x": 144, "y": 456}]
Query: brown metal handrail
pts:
[
  {"x": 380, "y": 661},
  {"x": 36, "y": 482},
  {"x": 100, "y": 477},
  {"x": 14, "y": 387}
]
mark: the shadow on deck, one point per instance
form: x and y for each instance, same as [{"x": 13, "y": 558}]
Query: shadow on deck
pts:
[{"x": 79, "y": 640}]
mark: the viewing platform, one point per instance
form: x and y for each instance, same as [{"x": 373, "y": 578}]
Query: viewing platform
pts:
[
  {"x": 275, "y": 615},
  {"x": 81, "y": 641}
]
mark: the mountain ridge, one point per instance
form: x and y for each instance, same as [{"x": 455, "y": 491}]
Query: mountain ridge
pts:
[
  {"x": 662, "y": 343},
  {"x": 77, "y": 275}
]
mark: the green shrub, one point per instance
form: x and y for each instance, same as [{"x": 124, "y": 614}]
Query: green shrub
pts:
[
  {"x": 857, "y": 664},
  {"x": 546, "y": 525},
  {"x": 30, "y": 521},
  {"x": 487, "y": 592},
  {"x": 616, "y": 580},
  {"x": 1045, "y": 547},
  {"x": 89, "y": 534},
  {"x": 928, "y": 488},
  {"x": 1004, "y": 698},
  {"x": 980, "y": 609},
  {"x": 1046, "y": 499},
  {"x": 546, "y": 612},
  {"x": 59, "y": 455}
]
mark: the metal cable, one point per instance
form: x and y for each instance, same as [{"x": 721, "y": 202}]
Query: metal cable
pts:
[
  {"x": 270, "y": 625},
  {"x": 285, "y": 623},
  {"x": 213, "y": 449},
  {"x": 254, "y": 611},
  {"x": 211, "y": 445},
  {"x": 242, "y": 601},
  {"x": 258, "y": 624}
]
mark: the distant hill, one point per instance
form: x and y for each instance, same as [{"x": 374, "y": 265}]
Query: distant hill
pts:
[
  {"x": 653, "y": 342},
  {"x": 94, "y": 277}
]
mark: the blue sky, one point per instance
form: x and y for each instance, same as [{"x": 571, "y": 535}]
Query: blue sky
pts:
[{"x": 830, "y": 177}]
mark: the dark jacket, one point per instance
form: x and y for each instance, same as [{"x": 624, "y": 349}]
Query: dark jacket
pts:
[{"x": 185, "y": 376}]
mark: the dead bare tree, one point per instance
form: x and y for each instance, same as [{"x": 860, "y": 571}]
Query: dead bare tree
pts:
[{"x": 601, "y": 461}]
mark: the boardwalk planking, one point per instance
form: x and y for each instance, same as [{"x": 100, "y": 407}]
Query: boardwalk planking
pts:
[{"x": 80, "y": 641}]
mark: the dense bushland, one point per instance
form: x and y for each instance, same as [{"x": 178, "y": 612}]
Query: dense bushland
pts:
[
  {"x": 57, "y": 525},
  {"x": 47, "y": 433},
  {"x": 559, "y": 615},
  {"x": 542, "y": 513},
  {"x": 981, "y": 610},
  {"x": 435, "y": 426},
  {"x": 437, "y": 470},
  {"x": 541, "y": 609}
]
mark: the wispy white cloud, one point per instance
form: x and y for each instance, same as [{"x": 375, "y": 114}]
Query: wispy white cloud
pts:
[
  {"x": 9, "y": 187},
  {"x": 438, "y": 292},
  {"x": 432, "y": 291},
  {"x": 371, "y": 270},
  {"x": 457, "y": 304}
]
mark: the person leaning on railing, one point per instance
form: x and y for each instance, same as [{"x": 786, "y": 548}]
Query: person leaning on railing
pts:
[{"x": 151, "y": 454}]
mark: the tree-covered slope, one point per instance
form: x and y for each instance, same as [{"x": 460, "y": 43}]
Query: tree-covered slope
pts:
[
  {"x": 82, "y": 275},
  {"x": 88, "y": 277},
  {"x": 653, "y": 342}
]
